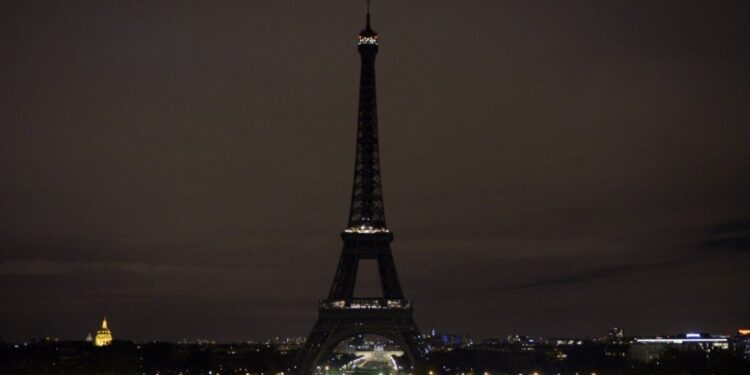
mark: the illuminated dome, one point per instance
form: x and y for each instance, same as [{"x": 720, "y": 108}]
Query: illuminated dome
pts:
[{"x": 103, "y": 335}]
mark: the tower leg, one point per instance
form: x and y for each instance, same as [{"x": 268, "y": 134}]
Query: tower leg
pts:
[
  {"x": 388, "y": 277},
  {"x": 346, "y": 277},
  {"x": 330, "y": 331}
]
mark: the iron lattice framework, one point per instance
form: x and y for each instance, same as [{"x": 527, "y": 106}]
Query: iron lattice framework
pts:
[
  {"x": 343, "y": 315},
  {"x": 367, "y": 211}
]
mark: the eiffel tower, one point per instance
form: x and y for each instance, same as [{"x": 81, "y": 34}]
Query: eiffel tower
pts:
[{"x": 343, "y": 315}]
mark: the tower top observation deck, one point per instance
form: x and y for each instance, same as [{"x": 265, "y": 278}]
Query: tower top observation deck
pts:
[{"x": 368, "y": 35}]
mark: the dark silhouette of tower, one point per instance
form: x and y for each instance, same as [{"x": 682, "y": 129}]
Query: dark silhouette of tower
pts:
[{"x": 343, "y": 315}]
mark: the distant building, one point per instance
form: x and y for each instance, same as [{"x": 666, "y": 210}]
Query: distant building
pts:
[
  {"x": 437, "y": 341},
  {"x": 89, "y": 338},
  {"x": 103, "y": 335},
  {"x": 648, "y": 349},
  {"x": 526, "y": 343},
  {"x": 616, "y": 334},
  {"x": 519, "y": 339},
  {"x": 743, "y": 338},
  {"x": 455, "y": 340}
]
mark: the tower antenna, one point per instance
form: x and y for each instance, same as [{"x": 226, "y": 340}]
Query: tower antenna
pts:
[{"x": 368, "y": 13}]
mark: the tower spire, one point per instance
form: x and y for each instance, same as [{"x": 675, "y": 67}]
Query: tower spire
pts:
[
  {"x": 367, "y": 213},
  {"x": 368, "y": 35},
  {"x": 368, "y": 13}
]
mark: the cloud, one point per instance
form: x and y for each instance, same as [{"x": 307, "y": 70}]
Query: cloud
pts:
[
  {"x": 732, "y": 226},
  {"x": 583, "y": 276},
  {"x": 591, "y": 274},
  {"x": 732, "y": 235},
  {"x": 48, "y": 267}
]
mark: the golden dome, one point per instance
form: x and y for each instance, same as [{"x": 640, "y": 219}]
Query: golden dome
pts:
[{"x": 103, "y": 335}]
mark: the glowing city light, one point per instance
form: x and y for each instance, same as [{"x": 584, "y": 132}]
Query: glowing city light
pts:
[
  {"x": 366, "y": 229},
  {"x": 368, "y": 40},
  {"x": 103, "y": 335}
]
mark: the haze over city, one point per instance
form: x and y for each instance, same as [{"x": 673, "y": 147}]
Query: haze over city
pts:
[{"x": 548, "y": 169}]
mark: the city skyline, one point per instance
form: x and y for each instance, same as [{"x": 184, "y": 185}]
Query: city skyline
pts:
[{"x": 549, "y": 170}]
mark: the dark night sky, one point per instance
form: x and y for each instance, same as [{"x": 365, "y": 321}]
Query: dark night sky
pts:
[{"x": 550, "y": 168}]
